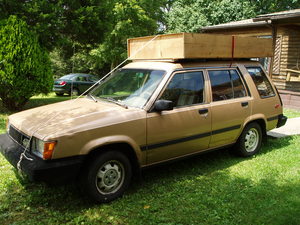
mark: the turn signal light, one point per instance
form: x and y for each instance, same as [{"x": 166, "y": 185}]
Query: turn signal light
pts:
[{"x": 48, "y": 149}]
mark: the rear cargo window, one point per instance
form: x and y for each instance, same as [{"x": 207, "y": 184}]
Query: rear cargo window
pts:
[
  {"x": 185, "y": 89},
  {"x": 226, "y": 84},
  {"x": 261, "y": 81}
]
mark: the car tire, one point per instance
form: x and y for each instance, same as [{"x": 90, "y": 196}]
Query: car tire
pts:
[
  {"x": 59, "y": 94},
  {"x": 106, "y": 177},
  {"x": 249, "y": 142},
  {"x": 74, "y": 92}
]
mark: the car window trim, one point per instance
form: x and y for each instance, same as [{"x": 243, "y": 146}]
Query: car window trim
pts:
[
  {"x": 262, "y": 97},
  {"x": 176, "y": 71},
  {"x": 228, "y": 69}
]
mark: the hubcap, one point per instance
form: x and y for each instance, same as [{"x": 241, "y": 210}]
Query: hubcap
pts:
[
  {"x": 251, "y": 140},
  {"x": 110, "y": 177}
]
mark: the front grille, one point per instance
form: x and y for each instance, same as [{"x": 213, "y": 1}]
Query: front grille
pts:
[{"x": 16, "y": 135}]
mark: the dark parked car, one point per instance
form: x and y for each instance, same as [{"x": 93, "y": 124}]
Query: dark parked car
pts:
[{"x": 73, "y": 84}]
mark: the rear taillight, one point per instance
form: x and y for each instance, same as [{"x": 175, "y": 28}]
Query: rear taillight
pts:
[{"x": 62, "y": 83}]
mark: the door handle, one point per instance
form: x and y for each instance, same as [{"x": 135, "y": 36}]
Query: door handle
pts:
[
  {"x": 203, "y": 111},
  {"x": 244, "y": 104}
]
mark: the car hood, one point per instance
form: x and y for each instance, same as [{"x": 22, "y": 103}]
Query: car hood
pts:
[{"x": 68, "y": 117}]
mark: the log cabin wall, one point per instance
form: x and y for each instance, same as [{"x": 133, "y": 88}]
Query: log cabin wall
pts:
[{"x": 287, "y": 57}]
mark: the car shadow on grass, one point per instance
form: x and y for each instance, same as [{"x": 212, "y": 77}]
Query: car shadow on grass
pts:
[
  {"x": 196, "y": 190},
  {"x": 209, "y": 162}
]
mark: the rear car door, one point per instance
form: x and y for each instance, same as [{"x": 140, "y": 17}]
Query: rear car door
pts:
[
  {"x": 230, "y": 105},
  {"x": 184, "y": 130},
  {"x": 83, "y": 83}
]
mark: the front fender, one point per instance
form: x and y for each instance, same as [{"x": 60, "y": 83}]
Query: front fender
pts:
[{"x": 109, "y": 140}]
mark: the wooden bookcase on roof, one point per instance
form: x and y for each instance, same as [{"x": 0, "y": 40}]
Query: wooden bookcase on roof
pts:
[{"x": 194, "y": 45}]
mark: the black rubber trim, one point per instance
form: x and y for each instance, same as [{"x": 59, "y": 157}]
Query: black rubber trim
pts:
[
  {"x": 176, "y": 141},
  {"x": 205, "y": 67},
  {"x": 272, "y": 118},
  {"x": 281, "y": 120},
  {"x": 190, "y": 138},
  {"x": 278, "y": 95},
  {"x": 225, "y": 129}
]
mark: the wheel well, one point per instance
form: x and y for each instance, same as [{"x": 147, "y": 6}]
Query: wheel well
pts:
[
  {"x": 121, "y": 147},
  {"x": 262, "y": 124}
]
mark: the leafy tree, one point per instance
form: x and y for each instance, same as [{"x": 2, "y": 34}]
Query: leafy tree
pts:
[
  {"x": 269, "y": 6},
  {"x": 190, "y": 16},
  {"x": 186, "y": 16},
  {"x": 59, "y": 23},
  {"x": 25, "y": 68},
  {"x": 72, "y": 28},
  {"x": 129, "y": 18}
]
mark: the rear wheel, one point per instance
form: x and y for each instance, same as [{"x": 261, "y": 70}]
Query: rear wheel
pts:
[
  {"x": 249, "y": 143},
  {"x": 107, "y": 177},
  {"x": 59, "y": 94},
  {"x": 74, "y": 92}
]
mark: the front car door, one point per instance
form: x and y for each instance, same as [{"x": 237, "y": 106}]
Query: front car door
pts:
[{"x": 184, "y": 130}]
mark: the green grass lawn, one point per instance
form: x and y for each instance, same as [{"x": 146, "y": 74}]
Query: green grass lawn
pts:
[
  {"x": 214, "y": 188},
  {"x": 291, "y": 113}
]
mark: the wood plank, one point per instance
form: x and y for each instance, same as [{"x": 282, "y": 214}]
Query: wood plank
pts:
[
  {"x": 195, "y": 45},
  {"x": 288, "y": 59},
  {"x": 168, "y": 47}
]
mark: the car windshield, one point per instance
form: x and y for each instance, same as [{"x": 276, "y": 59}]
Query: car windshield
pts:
[
  {"x": 130, "y": 87},
  {"x": 68, "y": 77}
]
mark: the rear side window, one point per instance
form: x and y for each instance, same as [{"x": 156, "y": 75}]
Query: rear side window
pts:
[
  {"x": 185, "y": 89},
  {"x": 226, "y": 84},
  {"x": 261, "y": 81},
  {"x": 80, "y": 78},
  {"x": 93, "y": 79}
]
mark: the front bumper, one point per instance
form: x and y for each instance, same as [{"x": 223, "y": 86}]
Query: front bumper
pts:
[
  {"x": 54, "y": 171},
  {"x": 60, "y": 90}
]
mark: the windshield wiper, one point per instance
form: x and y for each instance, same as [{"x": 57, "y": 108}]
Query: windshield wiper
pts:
[
  {"x": 92, "y": 97},
  {"x": 118, "y": 102}
]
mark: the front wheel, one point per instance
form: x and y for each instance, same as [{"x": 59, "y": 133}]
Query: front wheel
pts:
[
  {"x": 107, "y": 177},
  {"x": 249, "y": 143}
]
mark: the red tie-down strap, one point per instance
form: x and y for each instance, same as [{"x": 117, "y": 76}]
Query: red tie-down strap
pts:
[{"x": 232, "y": 49}]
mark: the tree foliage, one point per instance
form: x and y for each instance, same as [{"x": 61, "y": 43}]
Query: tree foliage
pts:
[
  {"x": 129, "y": 18},
  {"x": 90, "y": 35},
  {"x": 25, "y": 68},
  {"x": 270, "y": 6},
  {"x": 191, "y": 15},
  {"x": 60, "y": 22}
]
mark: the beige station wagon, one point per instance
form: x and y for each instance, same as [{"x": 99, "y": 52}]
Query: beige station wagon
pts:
[{"x": 144, "y": 114}]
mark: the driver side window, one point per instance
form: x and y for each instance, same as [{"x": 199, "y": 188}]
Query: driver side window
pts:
[{"x": 185, "y": 89}]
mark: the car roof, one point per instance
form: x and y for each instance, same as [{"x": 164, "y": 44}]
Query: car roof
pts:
[{"x": 81, "y": 74}]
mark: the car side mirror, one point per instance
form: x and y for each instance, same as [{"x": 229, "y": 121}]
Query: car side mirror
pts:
[{"x": 163, "y": 105}]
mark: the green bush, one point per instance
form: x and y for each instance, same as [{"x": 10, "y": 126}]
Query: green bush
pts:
[{"x": 25, "y": 68}]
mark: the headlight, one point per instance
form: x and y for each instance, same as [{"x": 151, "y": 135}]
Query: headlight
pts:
[{"x": 43, "y": 149}]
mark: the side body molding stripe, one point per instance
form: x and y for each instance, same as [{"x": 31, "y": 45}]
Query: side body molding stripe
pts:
[
  {"x": 190, "y": 138},
  {"x": 272, "y": 118}
]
